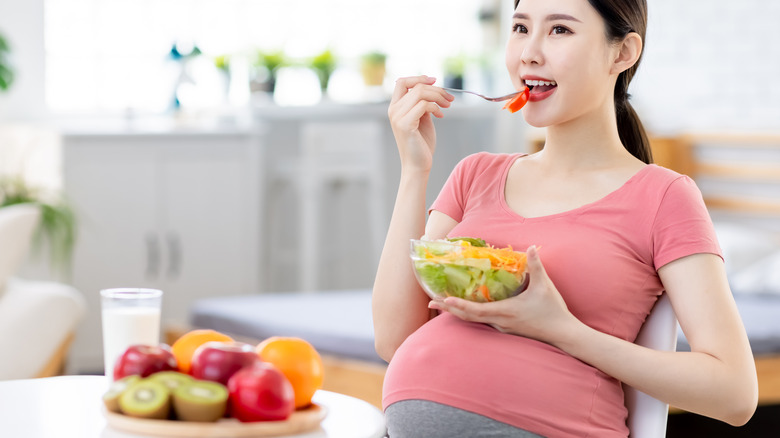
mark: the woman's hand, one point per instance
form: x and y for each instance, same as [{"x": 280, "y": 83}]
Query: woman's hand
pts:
[
  {"x": 536, "y": 313},
  {"x": 414, "y": 100}
]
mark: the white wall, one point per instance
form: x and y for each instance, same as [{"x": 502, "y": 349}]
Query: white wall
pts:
[
  {"x": 21, "y": 22},
  {"x": 710, "y": 65}
]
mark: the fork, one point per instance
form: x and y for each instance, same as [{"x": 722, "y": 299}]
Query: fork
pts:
[{"x": 491, "y": 99}]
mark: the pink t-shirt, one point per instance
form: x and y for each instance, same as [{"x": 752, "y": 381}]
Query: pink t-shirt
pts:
[{"x": 603, "y": 258}]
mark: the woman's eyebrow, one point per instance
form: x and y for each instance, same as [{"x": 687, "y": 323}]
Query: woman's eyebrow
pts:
[{"x": 551, "y": 17}]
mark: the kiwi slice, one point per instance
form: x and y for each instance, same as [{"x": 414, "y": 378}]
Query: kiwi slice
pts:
[
  {"x": 111, "y": 397},
  {"x": 146, "y": 399},
  {"x": 171, "y": 379},
  {"x": 200, "y": 400}
]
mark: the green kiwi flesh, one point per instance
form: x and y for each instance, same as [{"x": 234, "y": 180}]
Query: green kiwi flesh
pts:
[
  {"x": 146, "y": 399},
  {"x": 111, "y": 397},
  {"x": 171, "y": 379},
  {"x": 200, "y": 400}
]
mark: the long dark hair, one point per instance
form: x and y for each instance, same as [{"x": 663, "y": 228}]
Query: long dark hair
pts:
[{"x": 622, "y": 17}]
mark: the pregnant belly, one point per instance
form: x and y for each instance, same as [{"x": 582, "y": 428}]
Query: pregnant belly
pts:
[{"x": 505, "y": 377}]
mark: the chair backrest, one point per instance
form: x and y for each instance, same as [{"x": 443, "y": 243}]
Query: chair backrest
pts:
[
  {"x": 17, "y": 226},
  {"x": 646, "y": 415}
]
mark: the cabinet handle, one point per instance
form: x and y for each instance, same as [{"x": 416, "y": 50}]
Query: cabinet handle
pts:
[
  {"x": 152, "y": 256},
  {"x": 174, "y": 246}
]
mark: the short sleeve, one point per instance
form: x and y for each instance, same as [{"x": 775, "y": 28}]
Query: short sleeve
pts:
[
  {"x": 682, "y": 225},
  {"x": 452, "y": 197}
]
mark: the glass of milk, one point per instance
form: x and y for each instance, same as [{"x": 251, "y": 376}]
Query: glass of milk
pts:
[{"x": 130, "y": 316}]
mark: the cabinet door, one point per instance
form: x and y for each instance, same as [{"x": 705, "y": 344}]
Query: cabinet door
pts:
[
  {"x": 208, "y": 221},
  {"x": 112, "y": 186}
]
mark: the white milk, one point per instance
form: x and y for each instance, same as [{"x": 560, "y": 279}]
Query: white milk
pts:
[{"x": 126, "y": 326}]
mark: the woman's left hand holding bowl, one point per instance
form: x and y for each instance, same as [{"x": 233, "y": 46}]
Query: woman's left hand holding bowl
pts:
[{"x": 538, "y": 313}]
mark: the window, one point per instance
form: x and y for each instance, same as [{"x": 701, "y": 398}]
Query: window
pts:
[{"x": 114, "y": 55}]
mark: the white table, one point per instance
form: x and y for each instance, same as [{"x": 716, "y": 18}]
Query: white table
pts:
[{"x": 71, "y": 407}]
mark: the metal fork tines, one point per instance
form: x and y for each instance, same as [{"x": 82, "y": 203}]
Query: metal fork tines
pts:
[{"x": 492, "y": 99}]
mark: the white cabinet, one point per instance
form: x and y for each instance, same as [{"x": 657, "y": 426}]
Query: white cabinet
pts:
[
  {"x": 341, "y": 249},
  {"x": 178, "y": 212}
]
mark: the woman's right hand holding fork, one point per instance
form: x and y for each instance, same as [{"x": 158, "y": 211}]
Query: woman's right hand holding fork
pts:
[{"x": 414, "y": 101}]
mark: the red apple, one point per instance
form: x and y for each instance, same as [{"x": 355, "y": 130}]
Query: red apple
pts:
[
  {"x": 217, "y": 361},
  {"x": 260, "y": 392},
  {"x": 144, "y": 360}
]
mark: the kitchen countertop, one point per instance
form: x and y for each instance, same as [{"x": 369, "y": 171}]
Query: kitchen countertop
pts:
[
  {"x": 179, "y": 125},
  {"x": 240, "y": 123}
]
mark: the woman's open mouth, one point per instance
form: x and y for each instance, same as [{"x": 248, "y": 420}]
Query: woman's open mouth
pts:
[{"x": 540, "y": 90}]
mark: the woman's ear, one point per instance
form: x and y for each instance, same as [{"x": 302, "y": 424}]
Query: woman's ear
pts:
[{"x": 628, "y": 54}]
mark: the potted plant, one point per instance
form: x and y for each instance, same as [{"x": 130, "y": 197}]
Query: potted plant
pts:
[
  {"x": 266, "y": 66},
  {"x": 324, "y": 64},
  {"x": 58, "y": 221},
  {"x": 222, "y": 63},
  {"x": 6, "y": 73},
  {"x": 373, "y": 67},
  {"x": 454, "y": 70}
]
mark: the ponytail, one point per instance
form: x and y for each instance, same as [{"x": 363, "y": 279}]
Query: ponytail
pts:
[
  {"x": 632, "y": 132},
  {"x": 622, "y": 17}
]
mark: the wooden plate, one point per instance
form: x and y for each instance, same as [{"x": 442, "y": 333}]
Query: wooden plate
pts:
[{"x": 300, "y": 421}]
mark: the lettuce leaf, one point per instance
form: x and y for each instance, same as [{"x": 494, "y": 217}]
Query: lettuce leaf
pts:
[
  {"x": 501, "y": 284},
  {"x": 474, "y": 241},
  {"x": 433, "y": 276}
]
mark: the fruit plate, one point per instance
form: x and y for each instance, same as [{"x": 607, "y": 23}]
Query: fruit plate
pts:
[{"x": 300, "y": 421}]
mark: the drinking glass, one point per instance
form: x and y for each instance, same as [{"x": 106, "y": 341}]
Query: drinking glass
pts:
[{"x": 130, "y": 316}]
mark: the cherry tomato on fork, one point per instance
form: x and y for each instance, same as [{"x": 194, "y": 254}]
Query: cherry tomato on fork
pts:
[{"x": 517, "y": 102}]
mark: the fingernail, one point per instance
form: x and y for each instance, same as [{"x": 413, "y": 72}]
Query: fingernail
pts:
[
  {"x": 532, "y": 251},
  {"x": 433, "y": 305}
]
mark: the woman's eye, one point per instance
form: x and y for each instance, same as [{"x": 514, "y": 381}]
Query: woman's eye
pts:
[
  {"x": 519, "y": 28},
  {"x": 560, "y": 30}
]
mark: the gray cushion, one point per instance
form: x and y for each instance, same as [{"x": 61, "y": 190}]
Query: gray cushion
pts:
[{"x": 334, "y": 322}]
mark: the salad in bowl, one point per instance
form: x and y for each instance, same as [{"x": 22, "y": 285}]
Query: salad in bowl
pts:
[{"x": 468, "y": 268}]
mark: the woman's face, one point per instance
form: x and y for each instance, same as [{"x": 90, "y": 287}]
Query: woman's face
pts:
[{"x": 560, "y": 49}]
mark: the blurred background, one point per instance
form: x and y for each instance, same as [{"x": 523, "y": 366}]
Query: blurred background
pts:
[
  {"x": 231, "y": 147},
  {"x": 114, "y": 57}
]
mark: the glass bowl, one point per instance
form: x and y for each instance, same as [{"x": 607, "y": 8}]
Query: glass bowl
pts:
[{"x": 459, "y": 269}]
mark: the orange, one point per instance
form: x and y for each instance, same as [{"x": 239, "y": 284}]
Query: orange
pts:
[
  {"x": 298, "y": 361},
  {"x": 185, "y": 346}
]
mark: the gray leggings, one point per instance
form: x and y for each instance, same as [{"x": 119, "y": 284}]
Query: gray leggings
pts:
[{"x": 426, "y": 419}]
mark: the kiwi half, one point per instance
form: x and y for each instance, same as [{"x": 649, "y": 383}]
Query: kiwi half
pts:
[
  {"x": 146, "y": 399},
  {"x": 171, "y": 379},
  {"x": 200, "y": 400},
  {"x": 111, "y": 397}
]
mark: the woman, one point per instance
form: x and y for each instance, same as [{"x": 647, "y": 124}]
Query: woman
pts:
[{"x": 616, "y": 232}]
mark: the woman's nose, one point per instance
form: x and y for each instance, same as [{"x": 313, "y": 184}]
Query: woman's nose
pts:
[{"x": 531, "y": 53}]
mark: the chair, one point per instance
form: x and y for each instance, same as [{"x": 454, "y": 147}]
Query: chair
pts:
[
  {"x": 37, "y": 318},
  {"x": 647, "y": 416}
]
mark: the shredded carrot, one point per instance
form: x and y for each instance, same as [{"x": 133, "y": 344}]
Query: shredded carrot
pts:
[{"x": 500, "y": 258}]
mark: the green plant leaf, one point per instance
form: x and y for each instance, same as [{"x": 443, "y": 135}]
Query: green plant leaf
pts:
[
  {"x": 6, "y": 73},
  {"x": 58, "y": 222},
  {"x": 375, "y": 58}
]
